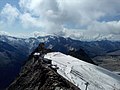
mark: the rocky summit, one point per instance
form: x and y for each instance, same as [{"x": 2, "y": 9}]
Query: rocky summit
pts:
[{"x": 38, "y": 74}]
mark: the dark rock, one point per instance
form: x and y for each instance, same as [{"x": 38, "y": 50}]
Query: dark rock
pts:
[{"x": 82, "y": 55}]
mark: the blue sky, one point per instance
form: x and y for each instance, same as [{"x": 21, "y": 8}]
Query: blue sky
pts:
[
  {"x": 12, "y": 2},
  {"x": 78, "y": 19}
]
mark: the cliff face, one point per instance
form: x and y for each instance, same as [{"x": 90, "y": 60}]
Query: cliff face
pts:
[{"x": 39, "y": 75}]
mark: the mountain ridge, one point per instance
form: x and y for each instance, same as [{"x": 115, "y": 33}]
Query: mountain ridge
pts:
[
  {"x": 56, "y": 71},
  {"x": 61, "y": 44},
  {"x": 38, "y": 75}
]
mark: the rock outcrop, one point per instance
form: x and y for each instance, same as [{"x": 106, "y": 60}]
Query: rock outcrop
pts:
[
  {"x": 82, "y": 55},
  {"x": 39, "y": 75}
]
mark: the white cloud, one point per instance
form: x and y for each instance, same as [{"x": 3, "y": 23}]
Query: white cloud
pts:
[
  {"x": 37, "y": 34},
  {"x": 28, "y": 21},
  {"x": 79, "y": 19},
  {"x": 9, "y": 14}
]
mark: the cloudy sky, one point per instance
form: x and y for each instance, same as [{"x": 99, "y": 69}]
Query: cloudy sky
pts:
[{"x": 78, "y": 19}]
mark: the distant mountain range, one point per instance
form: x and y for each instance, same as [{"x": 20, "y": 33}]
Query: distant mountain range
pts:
[
  {"x": 14, "y": 51},
  {"x": 93, "y": 48},
  {"x": 12, "y": 48}
]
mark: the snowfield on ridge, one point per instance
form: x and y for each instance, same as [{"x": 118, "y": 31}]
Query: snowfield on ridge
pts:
[{"x": 84, "y": 75}]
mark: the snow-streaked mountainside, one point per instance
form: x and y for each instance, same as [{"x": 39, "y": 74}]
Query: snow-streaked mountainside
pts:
[
  {"x": 92, "y": 48},
  {"x": 22, "y": 47},
  {"x": 80, "y": 73}
]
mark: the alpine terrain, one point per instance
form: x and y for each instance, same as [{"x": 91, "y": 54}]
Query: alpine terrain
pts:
[
  {"x": 14, "y": 52},
  {"x": 48, "y": 70}
]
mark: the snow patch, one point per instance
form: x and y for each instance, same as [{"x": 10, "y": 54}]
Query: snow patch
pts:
[{"x": 83, "y": 74}]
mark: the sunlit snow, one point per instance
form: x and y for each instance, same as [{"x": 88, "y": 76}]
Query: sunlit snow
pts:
[{"x": 83, "y": 74}]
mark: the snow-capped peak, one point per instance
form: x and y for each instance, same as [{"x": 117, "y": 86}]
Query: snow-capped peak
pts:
[
  {"x": 4, "y": 33},
  {"x": 84, "y": 75}
]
